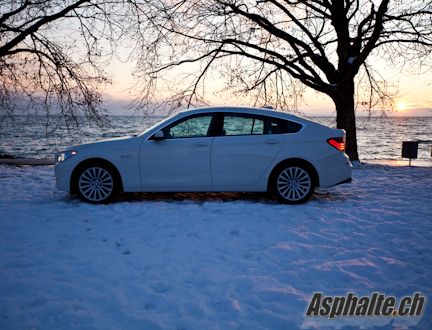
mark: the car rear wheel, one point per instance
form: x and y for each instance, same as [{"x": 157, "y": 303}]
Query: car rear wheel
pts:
[
  {"x": 293, "y": 184},
  {"x": 96, "y": 184}
]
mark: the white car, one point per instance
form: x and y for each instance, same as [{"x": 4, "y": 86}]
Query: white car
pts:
[{"x": 211, "y": 150}]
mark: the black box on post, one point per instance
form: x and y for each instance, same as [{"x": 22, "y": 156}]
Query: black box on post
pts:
[{"x": 409, "y": 149}]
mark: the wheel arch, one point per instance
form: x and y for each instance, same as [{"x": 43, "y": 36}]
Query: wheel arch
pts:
[
  {"x": 94, "y": 161},
  {"x": 291, "y": 162}
]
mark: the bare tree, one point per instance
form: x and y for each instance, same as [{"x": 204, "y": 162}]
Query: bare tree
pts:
[
  {"x": 53, "y": 54},
  {"x": 268, "y": 51}
]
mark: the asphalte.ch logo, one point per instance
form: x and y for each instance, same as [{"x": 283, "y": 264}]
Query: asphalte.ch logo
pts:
[{"x": 377, "y": 310}]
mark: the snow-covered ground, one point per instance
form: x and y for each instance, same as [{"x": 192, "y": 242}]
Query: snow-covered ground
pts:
[{"x": 209, "y": 261}]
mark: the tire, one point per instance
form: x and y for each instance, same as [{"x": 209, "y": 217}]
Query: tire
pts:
[
  {"x": 293, "y": 184},
  {"x": 96, "y": 183}
]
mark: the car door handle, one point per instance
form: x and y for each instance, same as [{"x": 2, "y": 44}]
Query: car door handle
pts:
[
  {"x": 201, "y": 144},
  {"x": 271, "y": 141}
]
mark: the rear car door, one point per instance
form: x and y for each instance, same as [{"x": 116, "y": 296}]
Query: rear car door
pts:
[{"x": 244, "y": 148}]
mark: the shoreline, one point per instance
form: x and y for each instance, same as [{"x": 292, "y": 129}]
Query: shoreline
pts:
[{"x": 28, "y": 161}]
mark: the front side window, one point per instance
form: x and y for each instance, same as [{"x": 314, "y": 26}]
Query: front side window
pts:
[{"x": 189, "y": 128}]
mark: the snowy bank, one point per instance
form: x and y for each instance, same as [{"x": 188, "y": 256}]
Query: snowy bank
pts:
[{"x": 208, "y": 261}]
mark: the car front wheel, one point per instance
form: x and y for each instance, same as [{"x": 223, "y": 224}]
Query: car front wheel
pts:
[
  {"x": 293, "y": 185},
  {"x": 96, "y": 184}
]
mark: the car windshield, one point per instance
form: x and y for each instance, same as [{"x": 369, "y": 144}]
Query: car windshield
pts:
[{"x": 158, "y": 123}]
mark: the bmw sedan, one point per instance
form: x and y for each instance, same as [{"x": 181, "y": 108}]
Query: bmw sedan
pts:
[{"x": 210, "y": 150}]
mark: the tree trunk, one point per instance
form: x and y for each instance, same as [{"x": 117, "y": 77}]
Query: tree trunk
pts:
[{"x": 345, "y": 117}]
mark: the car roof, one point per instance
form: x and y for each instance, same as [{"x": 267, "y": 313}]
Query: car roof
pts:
[{"x": 246, "y": 110}]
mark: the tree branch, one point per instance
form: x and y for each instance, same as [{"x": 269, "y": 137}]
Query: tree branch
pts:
[{"x": 32, "y": 29}]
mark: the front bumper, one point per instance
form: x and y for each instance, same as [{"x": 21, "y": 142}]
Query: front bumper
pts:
[{"x": 63, "y": 172}]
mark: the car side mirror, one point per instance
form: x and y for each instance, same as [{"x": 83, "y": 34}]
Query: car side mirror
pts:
[{"x": 159, "y": 135}]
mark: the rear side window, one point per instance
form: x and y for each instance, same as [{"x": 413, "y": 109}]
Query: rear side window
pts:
[
  {"x": 239, "y": 125},
  {"x": 273, "y": 126},
  {"x": 245, "y": 124},
  {"x": 289, "y": 126}
]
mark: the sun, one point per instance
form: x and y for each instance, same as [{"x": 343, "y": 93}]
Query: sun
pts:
[{"x": 401, "y": 106}]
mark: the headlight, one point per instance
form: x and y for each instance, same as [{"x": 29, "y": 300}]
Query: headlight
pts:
[{"x": 62, "y": 156}]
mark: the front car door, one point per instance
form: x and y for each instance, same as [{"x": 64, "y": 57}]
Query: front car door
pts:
[{"x": 182, "y": 158}]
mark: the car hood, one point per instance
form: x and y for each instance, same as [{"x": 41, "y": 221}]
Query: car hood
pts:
[{"x": 105, "y": 142}]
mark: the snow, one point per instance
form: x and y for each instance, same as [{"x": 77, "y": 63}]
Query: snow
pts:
[{"x": 209, "y": 261}]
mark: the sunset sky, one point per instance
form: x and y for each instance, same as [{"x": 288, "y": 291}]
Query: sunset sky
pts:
[{"x": 415, "y": 94}]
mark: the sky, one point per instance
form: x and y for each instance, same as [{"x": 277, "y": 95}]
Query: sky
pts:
[
  {"x": 414, "y": 95},
  {"x": 414, "y": 91}
]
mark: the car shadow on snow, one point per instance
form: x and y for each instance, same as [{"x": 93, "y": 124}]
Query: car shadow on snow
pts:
[
  {"x": 330, "y": 195},
  {"x": 320, "y": 196},
  {"x": 197, "y": 197}
]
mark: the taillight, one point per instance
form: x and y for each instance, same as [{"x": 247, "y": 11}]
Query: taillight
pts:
[{"x": 338, "y": 143}]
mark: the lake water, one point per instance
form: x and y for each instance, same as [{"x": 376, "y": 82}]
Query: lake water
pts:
[{"x": 379, "y": 138}]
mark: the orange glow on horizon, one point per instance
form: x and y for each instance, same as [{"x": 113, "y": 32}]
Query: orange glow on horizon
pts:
[{"x": 401, "y": 106}]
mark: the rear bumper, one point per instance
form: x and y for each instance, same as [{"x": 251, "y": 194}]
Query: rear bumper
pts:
[
  {"x": 344, "y": 181},
  {"x": 334, "y": 170}
]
